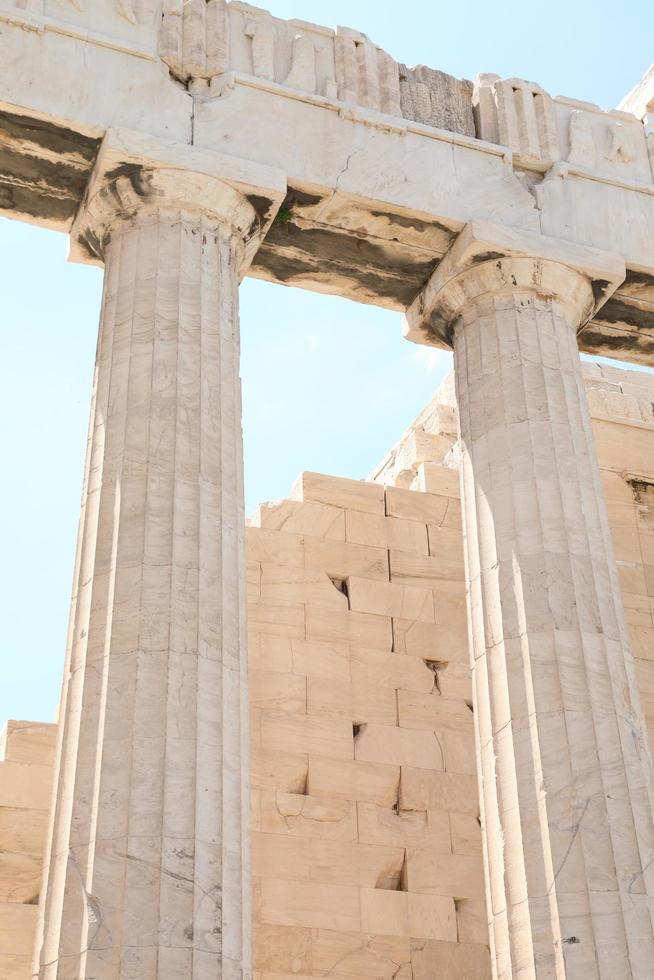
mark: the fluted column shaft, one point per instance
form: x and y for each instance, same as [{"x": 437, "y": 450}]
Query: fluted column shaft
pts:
[
  {"x": 565, "y": 770},
  {"x": 148, "y": 870}
]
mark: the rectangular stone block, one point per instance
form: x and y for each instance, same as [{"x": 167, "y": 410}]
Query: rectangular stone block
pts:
[
  {"x": 421, "y": 916},
  {"x": 277, "y": 547},
  {"x": 280, "y": 949},
  {"x": 367, "y": 781},
  {"x": 390, "y": 599},
  {"x": 412, "y": 505},
  {"x": 341, "y": 560},
  {"x": 348, "y": 954},
  {"x": 386, "y": 532},
  {"x": 312, "y": 733},
  {"x": 17, "y": 925},
  {"x": 446, "y": 544},
  {"x": 308, "y": 816},
  {"x": 362, "y": 629},
  {"x": 466, "y": 834},
  {"x": 471, "y": 921},
  {"x": 322, "y": 659},
  {"x": 340, "y": 492},
  {"x": 326, "y": 696},
  {"x": 378, "y": 825},
  {"x": 327, "y": 862},
  {"x": 444, "y": 642},
  {"x": 436, "y": 873},
  {"x": 444, "y": 791},
  {"x": 13, "y": 967},
  {"x": 369, "y": 668},
  {"x": 373, "y": 704},
  {"x": 24, "y": 786},
  {"x": 277, "y": 618},
  {"x": 455, "y": 682},
  {"x": 434, "y": 712},
  {"x": 431, "y": 959},
  {"x": 439, "y": 479},
  {"x": 398, "y": 746},
  {"x": 459, "y": 752},
  {"x": 28, "y": 741},
  {"x": 285, "y": 583},
  {"x": 281, "y": 692},
  {"x": 295, "y": 517},
  {"x": 424, "y": 571},
  {"x": 269, "y": 652},
  {"x": 311, "y": 904},
  {"x": 285, "y": 771},
  {"x": 22, "y": 843}
]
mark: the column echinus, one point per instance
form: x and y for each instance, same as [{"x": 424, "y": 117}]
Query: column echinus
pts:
[
  {"x": 564, "y": 767},
  {"x": 147, "y": 871}
]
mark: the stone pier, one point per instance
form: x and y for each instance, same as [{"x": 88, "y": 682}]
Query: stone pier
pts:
[{"x": 563, "y": 760}]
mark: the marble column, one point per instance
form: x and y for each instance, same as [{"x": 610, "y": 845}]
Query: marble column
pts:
[
  {"x": 564, "y": 765},
  {"x": 148, "y": 869}
]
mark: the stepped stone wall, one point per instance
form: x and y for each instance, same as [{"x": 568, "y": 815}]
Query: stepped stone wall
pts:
[{"x": 366, "y": 843}]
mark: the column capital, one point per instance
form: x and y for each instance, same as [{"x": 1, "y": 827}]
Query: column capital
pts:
[
  {"x": 136, "y": 174},
  {"x": 493, "y": 259}
]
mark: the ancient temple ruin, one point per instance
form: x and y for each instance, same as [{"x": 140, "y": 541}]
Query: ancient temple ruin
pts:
[{"x": 388, "y": 729}]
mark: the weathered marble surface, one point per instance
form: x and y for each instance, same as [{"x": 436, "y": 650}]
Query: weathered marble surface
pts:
[
  {"x": 566, "y": 778},
  {"x": 149, "y": 851}
]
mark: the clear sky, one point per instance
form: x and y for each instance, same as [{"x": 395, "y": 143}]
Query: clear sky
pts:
[{"x": 328, "y": 385}]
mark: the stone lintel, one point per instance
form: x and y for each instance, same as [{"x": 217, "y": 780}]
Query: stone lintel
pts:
[
  {"x": 147, "y": 170},
  {"x": 428, "y": 321}
]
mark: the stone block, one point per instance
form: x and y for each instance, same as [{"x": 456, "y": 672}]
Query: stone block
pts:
[
  {"x": 326, "y": 696},
  {"x": 24, "y": 786},
  {"x": 411, "y": 505},
  {"x": 424, "y": 571},
  {"x": 307, "y": 816},
  {"x": 437, "y": 873},
  {"x": 362, "y": 629},
  {"x": 314, "y": 734},
  {"x": 284, "y": 583},
  {"x": 371, "y": 669},
  {"x": 471, "y": 921},
  {"x": 285, "y": 771},
  {"x": 435, "y": 478},
  {"x": 295, "y": 517},
  {"x": 434, "y": 712},
  {"x": 421, "y": 789},
  {"x": 269, "y": 652},
  {"x": 340, "y": 492},
  {"x": 459, "y": 752},
  {"x": 378, "y": 825},
  {"x": 275, "y": 547},
  {"x": 398, "y": 746},
  {"x": 277, "y": 618},
  {"x": 341, "y": 559},
  {"x": 386, "y": 532},
  {"x": 310, "y": 904},
  {"x": 326, "y": 660},
  {"x": 22, "y": 843},
  {"x": 28, "y": 741},
  {"x": 350, "y": 954},
  {"x": 466, "y": 834},
  {"x": 281, "y": 692},
  {"x": 391, "y": 599},
  {"x": 455, "y": 681},
  {"x": 327, "y": 862},
  {"x": 281, "y": 949},
  {"x": 15, "y": 967},
  {"x": 396, "y": 912},
  {"x": 446, "y": 543},
  {"x": 367, "y": 781},
  {"x": 431, "y": 959},
  {"x": 17, "y": 926}
]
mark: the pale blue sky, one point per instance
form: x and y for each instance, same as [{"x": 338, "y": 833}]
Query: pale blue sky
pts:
[{"x": 328, "y": 385}]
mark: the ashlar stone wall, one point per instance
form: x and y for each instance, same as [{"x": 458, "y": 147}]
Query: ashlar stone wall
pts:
[{"x": 366, "y": 842}]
